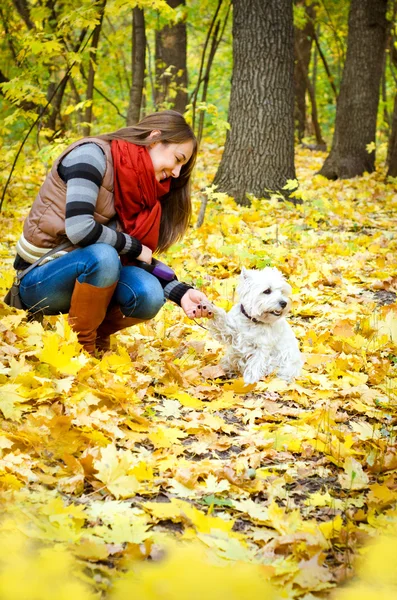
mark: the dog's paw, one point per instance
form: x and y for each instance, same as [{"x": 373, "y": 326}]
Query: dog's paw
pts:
[
  {"x": 250, "y": 378},
  {"x": 290, "y": 374},
  {"x": 254, "y": 373}
]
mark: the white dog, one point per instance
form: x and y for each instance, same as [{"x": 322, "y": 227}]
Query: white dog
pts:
[{"x": 259, "y": 339}]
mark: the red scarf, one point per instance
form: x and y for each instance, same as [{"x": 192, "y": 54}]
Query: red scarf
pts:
[{"x": 137, "y": 192}]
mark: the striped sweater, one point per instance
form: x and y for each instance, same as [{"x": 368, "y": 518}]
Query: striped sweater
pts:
[{"x": 82, "y": 170}]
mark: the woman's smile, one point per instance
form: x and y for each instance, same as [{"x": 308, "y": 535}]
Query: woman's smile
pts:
[{"x": 168, "y": 159}]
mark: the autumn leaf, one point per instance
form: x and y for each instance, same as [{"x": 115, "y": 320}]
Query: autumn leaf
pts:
[
  {"x": 113, "y": 468},
  {"x": 11, "y": 403}
]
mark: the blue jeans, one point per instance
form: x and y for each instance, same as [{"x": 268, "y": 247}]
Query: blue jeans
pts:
[{"x": 48, "y": 288}]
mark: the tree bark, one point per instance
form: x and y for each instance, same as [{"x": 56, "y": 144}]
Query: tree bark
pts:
[
  {"x": 357, "y": 105},
  {"x": 259, "y": 149},
  {"x": 303, "y": 47},
  {"x": 92, "y": 69},
  {"x": 392, "y": 153},
  {"x": 206, "y": 80},
  {"x": 138, "y": 65},
  {"x": 311, "y": 91},
  {"x": 23, "y": 8},
  {"x": 171, "y": 69},
  {"x": 392, "y": 147}
]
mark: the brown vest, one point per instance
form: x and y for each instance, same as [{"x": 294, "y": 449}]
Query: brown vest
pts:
[{"x": 45, "y": 224}]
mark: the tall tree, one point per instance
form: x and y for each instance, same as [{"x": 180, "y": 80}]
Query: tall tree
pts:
[
  {"x": 392, "y": 149},
  {"x": 138, "y": 65},
  {"x": 357, "y": 105},
  {"x": 171, "y": 69},
  {"x": 212, "y": 41},
  {"x": 304, "y": 34},
  {"x": 392, "y": 152},
  {"x": 259, "y": 149},
  {"x": 92, "y": 68}
]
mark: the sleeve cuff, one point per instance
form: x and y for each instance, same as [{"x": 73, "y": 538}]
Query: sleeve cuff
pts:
[
  {"x": 175, "y": 290},
  {"x": 135, "y": 248}
]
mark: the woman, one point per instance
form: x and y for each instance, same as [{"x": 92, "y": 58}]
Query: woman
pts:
[{"x": 117, "y": 198}]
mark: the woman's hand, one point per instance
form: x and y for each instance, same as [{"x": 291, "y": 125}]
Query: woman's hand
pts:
[
  {"x": 196, "y": 304},
  {"x": 146, "y": 255}
]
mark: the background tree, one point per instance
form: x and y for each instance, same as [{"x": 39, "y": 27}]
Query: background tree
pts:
[
  {"x": 259, "y": 149},
  {"x": 213, "y": 39},
  {"x": 92, "y": 68},
  {"x": 392, "y": 147},
  {"x": 304, "y": 34},
  {"x": 392, "y": 152},
  {"x": 357, "y": 106},
  {"x": 171, "y": 67},
  {"x": 138, "y": 65}
]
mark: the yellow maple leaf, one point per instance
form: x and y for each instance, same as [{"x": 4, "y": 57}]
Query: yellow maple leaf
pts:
[
  {"x": 166, "y": 437},
  {"x": 11, "y": 402},
  {"x": 381, "y": 495},
  {"x": 66, "y": 358},
  {"x": 313, "y": 575},
  {"x": 226, "y": 400},
  {"x": 165, "y": 510},
  {"x": 113, "y": 470},
  {"x": 354, "y": 477},
  {"x": 331, "y": 529},
  {"x": 187, "y": 400},
  {"x": 91, "y": 550}
]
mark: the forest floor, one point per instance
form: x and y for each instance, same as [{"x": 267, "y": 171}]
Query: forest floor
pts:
[{"x": 150, "y": 453}]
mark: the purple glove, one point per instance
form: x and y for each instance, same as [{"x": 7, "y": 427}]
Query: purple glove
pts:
[{"x": 157, "y": 268}]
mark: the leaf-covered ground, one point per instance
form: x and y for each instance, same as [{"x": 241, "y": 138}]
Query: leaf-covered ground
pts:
[{"x": 149, "y": 453}]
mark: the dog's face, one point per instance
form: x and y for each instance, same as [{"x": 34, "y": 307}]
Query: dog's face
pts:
[{"x": 264, "y": 294}]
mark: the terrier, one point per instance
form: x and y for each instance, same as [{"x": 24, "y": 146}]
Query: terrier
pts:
[{"x": 258, "y": 337}]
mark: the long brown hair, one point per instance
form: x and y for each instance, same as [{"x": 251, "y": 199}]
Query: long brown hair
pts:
[{"x": 176, "y": 205}]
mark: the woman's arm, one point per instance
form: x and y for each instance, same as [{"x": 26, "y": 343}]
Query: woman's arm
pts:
[{"x": 82, "y": 170}]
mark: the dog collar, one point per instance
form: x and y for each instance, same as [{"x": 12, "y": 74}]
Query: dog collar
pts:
[{"x": 247, "y": 315}]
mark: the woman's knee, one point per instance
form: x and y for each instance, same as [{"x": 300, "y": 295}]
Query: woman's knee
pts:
[
  {"x": 102, "y": 265},
  {"x": 139, "y": 294}
]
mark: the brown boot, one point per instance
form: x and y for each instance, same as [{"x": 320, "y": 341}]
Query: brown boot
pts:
[
  {"x": 114, "y": 321},
  {"x": 87, "y": 311}
]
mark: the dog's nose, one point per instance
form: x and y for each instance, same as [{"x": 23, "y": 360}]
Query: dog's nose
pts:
[{"x": 282, "y": 303}]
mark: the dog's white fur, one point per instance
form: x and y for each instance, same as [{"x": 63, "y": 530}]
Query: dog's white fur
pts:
[{"x": 266, "y": 344}]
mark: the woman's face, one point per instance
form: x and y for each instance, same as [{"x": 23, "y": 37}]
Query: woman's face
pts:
[{"x": 168, "y": 159}]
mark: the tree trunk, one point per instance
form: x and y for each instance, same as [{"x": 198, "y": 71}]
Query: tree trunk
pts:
[
  {"x": 92, "y": 69},
  {"x": 303, "y": 47},
  {"x": 391, "y": 160},
  {"x": 217, "y": 36},
  {"x": 138, "y": 65},
  {"x": 171, "y": 69},
  {"x": 259, "y": 149},
  {"x": 206, "y": 80},
  {"x": 392, "y": 151},
  {"x": 56, "y": 103},
  {"x": 194, "y": 96},
  {"x": 357, "y": 105}
]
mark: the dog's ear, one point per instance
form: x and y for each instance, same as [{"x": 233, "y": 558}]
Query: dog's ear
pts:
[{"x": 244, "y": 273}]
